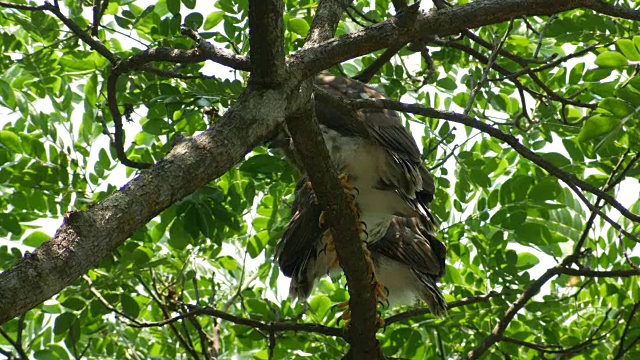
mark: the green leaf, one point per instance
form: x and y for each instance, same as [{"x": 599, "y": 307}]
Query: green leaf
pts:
[
  {"x": 156, "y": 127},
  {"x": 194, "y": 20},
  {"x": 597, "y": 125},
  {"x": 173, "y": 6},
  {"x": 142, "y": 255},
  {"x": 611, "y": 59},
  {"x": 628, "y": 49},
  {"x": 447, "y": 83},
  {"x": 299, "y": 26},
  {"x": 480, "y": 178},
  {"x": 103, "y": 158},
  {"x": 228, "y": 263},
  {"x": 557, "y": 159},
  {"x": 526, "y": 261},
  {"x": 547, "y": 189},
  {"x": 74, "y": 303},
  {"x": 320, "y": 305},
  {"x": 263, "y": 164},
  {"x": 11, "y": 223},
  {"x": 129, "y": 305},
  {"x": 63, "y": 323},
  {"x": 190, "y": 4},
  {"x": 616, "y": 107},
  {"x": 257, "y": 243},
  {"x": 36, "y": 239},
  {"x": 10, "y": 140},
  {"x": 532, "y": 233},
  {"x": 213, "y": 19},
  {"x": 178, "y": 238},
  {"x": 7, "y": 96}
]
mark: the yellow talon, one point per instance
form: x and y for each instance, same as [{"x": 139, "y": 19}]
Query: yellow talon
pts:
[
  {"x": 346, "y": 314},
  {"x": 344, "y": 181},
  {"x": 322, "y": 221}
]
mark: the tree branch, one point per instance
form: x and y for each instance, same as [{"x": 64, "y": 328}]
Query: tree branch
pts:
[
  {"x": 119, "y": 135},
  {"x": 598, "y": 274},
  {"x": 568, "y": 178},
  {"x": 442, "y": 22},
  {"x": 216, "y": 54},
  {"x": 271, "y": 326},
  {"x": 313, "y": 153},
  {"x": 94, "y": 44},
  {"x": 87, "y": 236},
  {"x": 452, "y": 305},
  {"x": 16, "y": 345},
  {"x": 266, "y": 33},
  {"x": 627, "y": 326}
]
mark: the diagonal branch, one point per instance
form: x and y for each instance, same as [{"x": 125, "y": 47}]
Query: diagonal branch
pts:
[
  {"x": 87, "y": 236},
  {"x": 313, "y": 153},
  {"x": 216, "y": 54},
  {"x": 454, "y": 304},
  {"x": 93, "y": 43},
  {"x": 442, "y": 22},
  {"x": 621, "y": 349}
]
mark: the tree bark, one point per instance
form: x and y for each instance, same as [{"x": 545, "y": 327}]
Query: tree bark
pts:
[{"x": 89, "y": 235}]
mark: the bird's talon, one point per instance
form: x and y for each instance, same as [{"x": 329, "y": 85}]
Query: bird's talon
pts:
[
  {"x": 379, "y": 321},
  {"x": 322, "y": 220}
]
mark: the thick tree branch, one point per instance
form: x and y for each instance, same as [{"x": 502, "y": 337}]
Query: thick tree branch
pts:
[
  {"x": 442, "y": 22},
  {"x": 266, "y": 33},
  {"x": 23, "y": 7},
  {"x": 313, "y": 153},
  {"x": 87, "y": 236}
]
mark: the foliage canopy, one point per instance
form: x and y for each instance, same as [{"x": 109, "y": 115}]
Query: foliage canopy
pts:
[{"x": 541, "y": 263}]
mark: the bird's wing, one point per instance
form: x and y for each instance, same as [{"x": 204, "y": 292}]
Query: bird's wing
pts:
[
  {"x": 383, "y": 125},
  {"x": 412, "y": 241},
  {"x": 406, "y": 172},
  {"x": 302, "y": 253},
  {"x": 299, "y": 240}
]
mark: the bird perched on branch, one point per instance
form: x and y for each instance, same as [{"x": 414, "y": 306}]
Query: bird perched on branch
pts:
[
  {"x": 408, "y": 259},
  {"x": 381, "y": 167}
]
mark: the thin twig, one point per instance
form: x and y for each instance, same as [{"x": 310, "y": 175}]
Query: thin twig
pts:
[
  {"x": 487, "y": 68},
  {"x": 627, "y": 326},
  {"x": 541, "y": 37},
  {"x": 454, "y": 304},
  {"x": 568, "y": 178}
]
